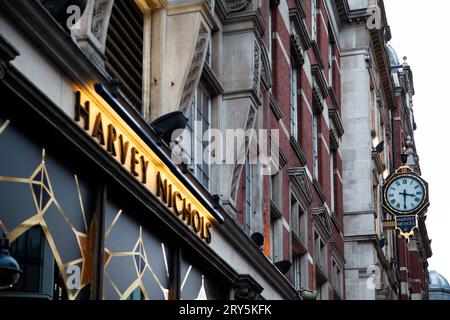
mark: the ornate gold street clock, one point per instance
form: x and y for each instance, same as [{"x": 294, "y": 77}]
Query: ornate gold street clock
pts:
[{"x": 405, "y": 193}]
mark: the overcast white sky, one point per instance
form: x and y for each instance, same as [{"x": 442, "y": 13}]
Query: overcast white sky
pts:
[{"x": 420, "y": 31}]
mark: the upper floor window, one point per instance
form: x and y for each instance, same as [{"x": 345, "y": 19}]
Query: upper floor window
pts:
[
  {"x": 314, "y": 20},
  {"x": 315, "y": 143},
  {"x": 199, "y": 122},
  {"x": 249, "y": 194},
  {"x": 124, "y": 50},
  {"x": 337, "y": 278},
  {"x": 332, "y": 198},
  {"x": 299, "y": 220},
  {"x": 320, "y": 252},
  {"x": 330, "y": 58},
  {"x": 276, "y": 181},
  {"x": 294, "y": 101},
  {"x": 300, "y": 271}
]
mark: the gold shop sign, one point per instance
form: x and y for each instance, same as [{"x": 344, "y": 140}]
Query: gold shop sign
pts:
[{"x": 114, "y": 135}]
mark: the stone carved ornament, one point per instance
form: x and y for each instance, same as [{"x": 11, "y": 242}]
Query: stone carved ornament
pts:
[{"x": 237, "y": 5}]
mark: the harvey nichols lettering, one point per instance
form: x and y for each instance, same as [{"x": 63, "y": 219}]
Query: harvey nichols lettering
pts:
[{"x": 135, "y": 161}]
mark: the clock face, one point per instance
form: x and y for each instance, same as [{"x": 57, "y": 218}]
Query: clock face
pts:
[{"x": 404, "y": 194}]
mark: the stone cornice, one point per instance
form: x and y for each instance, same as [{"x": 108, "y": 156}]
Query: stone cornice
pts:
[
  {"x": 319, "y": 77},
  {"x": 297, "y": 15},
  {"x": 300, "y": 183},
  {"x": 382, "y": 61},
  {"x": 297, "y": 50},
  {"x": 254, "y": 16},
  {"x": 323, "y": 222},
  {"x": 334, "y": 98},
  {"x": 335, "y": 117},
  {"x": 316, "y": 50}
]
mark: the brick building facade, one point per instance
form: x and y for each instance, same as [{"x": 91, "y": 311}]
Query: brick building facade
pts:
[{"x": 301, "y": 70}]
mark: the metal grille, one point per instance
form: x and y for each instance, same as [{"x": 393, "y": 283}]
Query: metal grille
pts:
[{"x": 124, "y": 49}]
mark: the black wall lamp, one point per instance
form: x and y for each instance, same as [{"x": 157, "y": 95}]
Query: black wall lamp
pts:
[
  {"x": 380, "y": 147},
  {"x": 258, "y": 239},
  {"x": 283, "y": 266},
  {"x": 166, "y": 125},
  {"x": 9, "y": 268}
]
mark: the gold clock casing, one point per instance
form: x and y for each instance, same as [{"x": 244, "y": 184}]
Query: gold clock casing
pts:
[{"x": 399, "y": 175}]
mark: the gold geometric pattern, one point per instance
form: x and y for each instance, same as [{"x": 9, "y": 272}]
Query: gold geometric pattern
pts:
[
  {"x": 141, "y": 265},
  {"x": 43, "y": 197}
]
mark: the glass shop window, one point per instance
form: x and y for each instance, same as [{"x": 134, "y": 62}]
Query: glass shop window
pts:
[{"x": 40, "y": 278}]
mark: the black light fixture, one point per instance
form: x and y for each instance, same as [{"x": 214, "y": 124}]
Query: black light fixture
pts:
[
  {"x": 258, "y": 239},
  {"x": 382, "y": 242},
  {"x": 380, "y": 147},
  {"x": 283, "y": 266},
  {"x": 404, "y": 158},
  {"x": 59, "y": 9},
  {"x": 165, "y": 125},
  {"x": 9, "y": 268}
]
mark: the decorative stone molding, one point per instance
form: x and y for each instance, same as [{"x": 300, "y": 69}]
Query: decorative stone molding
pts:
[
  {"x": 301, "y": 183},
  {"x": 336, "y": 120},
  {"x": 7, "y": 53},
  {"x": 297, "y": 50},
  {"x": 334, "y": 140},
  {"x": 320, "y": 80},
  {"x": 297, "y": 16},
  {"x": 237, "y": 5},
  {"x": 256, "y": 67},
  {"x": 266, "y": 69},
  {"x": 91, "y": 35},
  {"x": 334, "y": 98},
  {"x": 246, "y": 288},
  {"x": 317, "y": 101},
  {"x": 321, "y": 216},
  {"x": 298, "y": 151},
  {"x": 195, "y": 69}
]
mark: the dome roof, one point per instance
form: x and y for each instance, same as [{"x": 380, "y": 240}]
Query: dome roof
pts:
[
  {"x": 438, "y": 281},
  {"x": 393, "y": 57}
]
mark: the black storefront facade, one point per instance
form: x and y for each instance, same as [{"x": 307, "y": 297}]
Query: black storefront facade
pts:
[
  {"x": 93, "y": 208},
  {"x": 67, "y": 206}
]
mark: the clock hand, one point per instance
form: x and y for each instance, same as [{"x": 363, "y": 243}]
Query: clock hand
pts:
[{"x": 404, "y": 198}]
